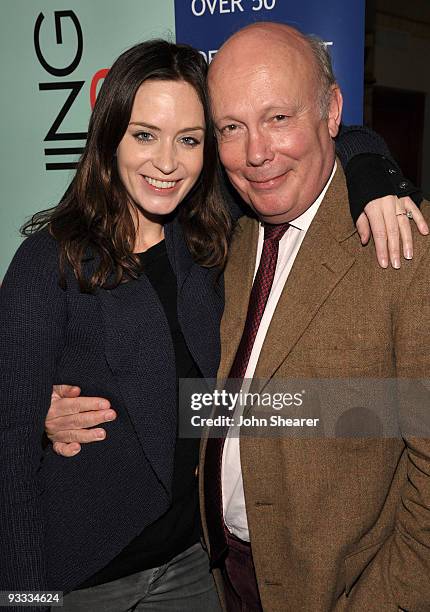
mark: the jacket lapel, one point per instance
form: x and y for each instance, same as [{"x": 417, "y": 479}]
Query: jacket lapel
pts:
[
  {"x": 200, "y": 302},
  {"x": 238, "y": 279},
  {"x": 177, "y": 251},
  {"x": 316, "y": 272},
  {"x": 140, "y": 355},
  {"x": 319, "y": 266}
]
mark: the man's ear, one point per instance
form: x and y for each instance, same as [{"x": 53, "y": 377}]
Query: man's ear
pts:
[{"x": 334, "y": 111}]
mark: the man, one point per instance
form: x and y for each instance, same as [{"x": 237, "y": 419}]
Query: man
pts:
[
  {"x": 332, "y": 524},
  {"x": 327, "y": 524}
]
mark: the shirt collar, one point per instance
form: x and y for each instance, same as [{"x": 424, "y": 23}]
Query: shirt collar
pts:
[{"x": 303, "y": 221}]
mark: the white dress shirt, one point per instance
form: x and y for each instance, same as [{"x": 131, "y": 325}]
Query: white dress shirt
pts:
[{"x": 231, "y": 472}]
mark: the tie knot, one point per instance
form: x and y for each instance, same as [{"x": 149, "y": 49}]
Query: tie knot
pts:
[{"x": 275, "y": 232}]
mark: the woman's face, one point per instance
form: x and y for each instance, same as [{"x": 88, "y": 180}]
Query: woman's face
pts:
[{"x": 160, "y": 156}]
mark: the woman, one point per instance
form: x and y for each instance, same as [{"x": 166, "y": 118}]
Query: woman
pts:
[{"x": 117, "y": 290}]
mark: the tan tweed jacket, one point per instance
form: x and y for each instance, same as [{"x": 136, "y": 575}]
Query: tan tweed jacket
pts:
[{"x": 336, "y": 524}]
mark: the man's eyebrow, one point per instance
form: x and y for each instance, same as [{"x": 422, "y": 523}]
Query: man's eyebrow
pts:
[
  {"x": 227, "y": 118},
  {"x": 194, "y": 128}
]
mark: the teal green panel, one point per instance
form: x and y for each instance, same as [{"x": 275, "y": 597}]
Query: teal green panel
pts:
[{"x": 108, "y": 28}]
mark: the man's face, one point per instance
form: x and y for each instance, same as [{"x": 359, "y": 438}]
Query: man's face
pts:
[{"x": 276, "y": 148}]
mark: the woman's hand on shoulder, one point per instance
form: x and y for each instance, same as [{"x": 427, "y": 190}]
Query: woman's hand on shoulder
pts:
[{"x": 385, "y": 220}]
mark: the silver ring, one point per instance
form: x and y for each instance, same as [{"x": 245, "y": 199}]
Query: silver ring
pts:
[{"x": 408, "y": 214}]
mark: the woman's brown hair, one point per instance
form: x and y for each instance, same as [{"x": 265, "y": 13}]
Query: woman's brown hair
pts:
[{"x": 94, "y": 215}]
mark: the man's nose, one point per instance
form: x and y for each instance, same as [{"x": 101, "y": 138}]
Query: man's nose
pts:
[
  {"x": 166, "y": 159},
  {"x": 259, "y": 149}
]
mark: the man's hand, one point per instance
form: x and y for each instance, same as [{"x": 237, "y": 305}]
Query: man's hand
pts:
[
  {"x": 70, "y": 416},
  {"x": 383, "y": 219}
]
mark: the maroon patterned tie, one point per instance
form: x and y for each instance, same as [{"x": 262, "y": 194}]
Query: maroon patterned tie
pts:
[{"x": 261, "y": 287}]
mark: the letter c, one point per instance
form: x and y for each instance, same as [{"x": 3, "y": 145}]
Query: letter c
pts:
[{"x": 99, "y": 76}]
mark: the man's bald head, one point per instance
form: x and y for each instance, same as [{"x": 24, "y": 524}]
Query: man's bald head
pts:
[
  {"x": 277, "y": 38},
  {"x": 264, "y": 32}
]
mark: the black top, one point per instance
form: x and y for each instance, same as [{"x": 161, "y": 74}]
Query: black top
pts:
[{"x": 179, "y": 527}]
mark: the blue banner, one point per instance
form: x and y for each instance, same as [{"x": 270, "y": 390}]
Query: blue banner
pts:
[{"x": 206, "y": 24}]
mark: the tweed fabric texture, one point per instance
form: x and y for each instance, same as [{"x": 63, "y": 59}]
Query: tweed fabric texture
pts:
[{"x": 336, "y": 524}]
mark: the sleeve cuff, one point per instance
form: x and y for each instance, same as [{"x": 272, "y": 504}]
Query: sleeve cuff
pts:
[{"x": 370, "y": 176}]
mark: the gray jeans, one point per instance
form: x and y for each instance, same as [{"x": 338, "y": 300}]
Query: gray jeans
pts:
[{"x": 182, "y": 585}]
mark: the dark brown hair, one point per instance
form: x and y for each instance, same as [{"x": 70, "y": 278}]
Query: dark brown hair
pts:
[{"x": 94, "y": 215}]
